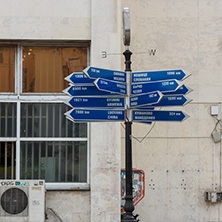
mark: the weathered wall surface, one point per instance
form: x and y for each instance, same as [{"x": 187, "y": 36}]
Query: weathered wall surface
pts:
[
  {"x": 179, "y": 158},
  {"x": 69, "y": 206},
  {"x": 45, "y": 19},
  {"x": 99, "y": 22},
  {"x": 105, "y": 137}
]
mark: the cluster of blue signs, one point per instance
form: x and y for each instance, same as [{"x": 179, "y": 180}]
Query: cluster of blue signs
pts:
[{"x": 100, "y": 95}]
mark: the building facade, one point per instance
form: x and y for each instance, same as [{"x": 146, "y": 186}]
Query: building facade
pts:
[
  {"x": 181, "y": 160},
  {"x": 43, "y": 42}
]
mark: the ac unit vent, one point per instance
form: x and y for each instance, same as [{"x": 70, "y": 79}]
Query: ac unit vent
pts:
[{"x": 14, "y": 201}]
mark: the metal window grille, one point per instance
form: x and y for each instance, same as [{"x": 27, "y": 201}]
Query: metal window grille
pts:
[
  {"x": 7, "y": 119},
  {"x": 48, "y": 120},
  {"x": 54, "y": 161},
  {"x": 7, "y": 160}
]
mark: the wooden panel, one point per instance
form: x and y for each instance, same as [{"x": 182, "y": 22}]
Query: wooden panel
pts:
[
  {"x": 44, "y": 68},
  {"x": 7, "y": 69}
]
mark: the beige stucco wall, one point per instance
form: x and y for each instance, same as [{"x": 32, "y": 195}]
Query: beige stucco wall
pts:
[
  {"x": 178, "y": 158},
  {"x": 69, "y": 206},
  {"x": 45, "y": 19},
  {"x": 98, "y": 21}
]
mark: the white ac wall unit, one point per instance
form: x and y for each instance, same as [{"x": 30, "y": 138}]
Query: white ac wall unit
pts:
[{"x": 22, "y": 200}]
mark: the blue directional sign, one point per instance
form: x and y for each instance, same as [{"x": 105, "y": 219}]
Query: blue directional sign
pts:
[
  {"x": 162, "y": 86},
  {"x": 78, "y": 78},
  {"x": 113, "y": 75},
  {"x": 86, "y": 90},
  {"x": 146, "y": 122},
  {"x": 159, "y": 75},
  {"x": 96, "y": 115},
  {"x": 149, "y": 115},
  {"x": 97, "y": 102},
  {"x": 148, "y": 98},
  {"x": 110, "y": 86},
  {"x": 171, "y": 100},
  {"x": 183, "y": 90}
]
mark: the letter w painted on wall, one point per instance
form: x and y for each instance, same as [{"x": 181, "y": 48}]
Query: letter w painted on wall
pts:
[{"x": 152, "y": 52}]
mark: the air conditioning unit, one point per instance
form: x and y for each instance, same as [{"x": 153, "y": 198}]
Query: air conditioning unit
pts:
[{"x": 22, "y": 200}]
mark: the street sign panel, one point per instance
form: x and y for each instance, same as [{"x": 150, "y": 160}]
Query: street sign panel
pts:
[
  {"x": 162, "y": 86},
  {"x": 110, "y": 86},
  {"x": 86, "y": 90},
  {"x": 97, "y": 102},
  {"x": 96, "y": 114},
  {"x": 146, "y": 122},
  {"x": 172, "y": 100},
  {"x": 183, "y": 90},
  {"x": 142, "y": 115},
  {"x": 78, "y": 78},
  {"x": 113, "y": 75},
  {"x": 148, "y": 76},
  {"x": 148, "y": 98}
]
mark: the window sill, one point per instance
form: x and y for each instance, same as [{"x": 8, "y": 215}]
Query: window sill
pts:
[{"x": 68, "y": 186}]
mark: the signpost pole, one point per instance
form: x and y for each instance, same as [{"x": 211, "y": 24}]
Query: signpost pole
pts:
[{"x": 129, "y": 206}]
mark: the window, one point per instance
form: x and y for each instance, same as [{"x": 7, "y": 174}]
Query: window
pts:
[
  {"x": 7, "y": 160},
  {"x": 7, "y": 119},
  {"x": 36, "y": 140},
  {"x": 7, "y": 68},
  {"x": 54, "y": 161},
  {"x": 44, "y": 68}
]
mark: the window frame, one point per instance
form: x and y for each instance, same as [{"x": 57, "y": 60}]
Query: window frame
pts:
[{"x": 19, "y": 97}]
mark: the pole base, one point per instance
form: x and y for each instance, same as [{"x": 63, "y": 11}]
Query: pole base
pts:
[{"x": 129, "y": 218}]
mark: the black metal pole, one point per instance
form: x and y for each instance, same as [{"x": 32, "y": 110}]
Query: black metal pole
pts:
[{"x": 129, "y": 206}]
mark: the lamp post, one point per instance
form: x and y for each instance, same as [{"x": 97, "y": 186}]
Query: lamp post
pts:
[{"x": 129, "y": 206}]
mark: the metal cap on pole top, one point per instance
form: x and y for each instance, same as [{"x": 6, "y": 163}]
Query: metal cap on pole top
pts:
[{"x": 126, "y": 26}]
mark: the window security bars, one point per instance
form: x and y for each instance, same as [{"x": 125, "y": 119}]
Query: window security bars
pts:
[
  {"x": 54, "y": 161},
  {"x": 7, "y": 160}
]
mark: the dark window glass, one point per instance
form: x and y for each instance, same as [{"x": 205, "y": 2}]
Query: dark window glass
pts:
[
  {"x": 7, "y": 160},
  {"x": 48, "y": 120},
  {"x": 7, "y": 120},
  {"x": 54, "y": 161}
]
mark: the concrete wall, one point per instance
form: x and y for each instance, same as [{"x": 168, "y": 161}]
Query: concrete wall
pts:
[
  {"x": 178, "y": 158},
  {"x": 105, "y": 137},
  {"x": 45, "y": 19},
  {"x": 69, "y": 206},
  {"x": 97, "y": 21}
]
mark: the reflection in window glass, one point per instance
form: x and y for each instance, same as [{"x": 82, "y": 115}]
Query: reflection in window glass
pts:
[
  {"x": 44, "y": 68},
  {"x": 7, "y": 120},
  {"x": 54, "y": 161},
  {"x": 7, "y": 69},
  {"x": 48, "y": 120}
]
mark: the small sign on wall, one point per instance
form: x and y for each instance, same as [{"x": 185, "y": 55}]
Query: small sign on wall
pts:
[{"x": 138, "y": 186}]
